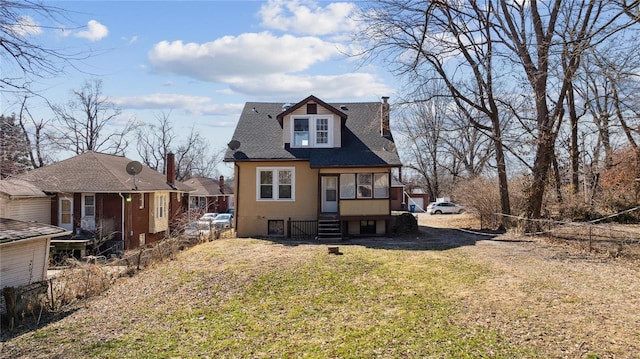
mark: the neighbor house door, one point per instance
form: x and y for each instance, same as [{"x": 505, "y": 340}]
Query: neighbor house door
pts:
[
  {"x": 329, "y": 194},
  {"x": 65, "y": 219}
]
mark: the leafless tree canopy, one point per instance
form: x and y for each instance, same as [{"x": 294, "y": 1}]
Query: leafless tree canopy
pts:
[
  {"x": 509, "y": 67},
  {"x": 89, "y": 122},
  {"x": 194, "y": 155},
  {"x": 23, "y": 57}
]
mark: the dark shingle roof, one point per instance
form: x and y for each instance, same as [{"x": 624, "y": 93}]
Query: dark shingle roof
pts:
[
  {"x": 261, "y": 139},
  {"x": 13, "y": 230},
  {"x": 96, "y": 172}
]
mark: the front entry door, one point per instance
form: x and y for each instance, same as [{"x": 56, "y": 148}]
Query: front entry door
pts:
[
  {"x": 66, "y": 212},
  {"x": 329, "y": 194}
]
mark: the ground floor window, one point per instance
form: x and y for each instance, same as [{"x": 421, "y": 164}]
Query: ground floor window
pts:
[
  {"x": 275, "y": 227},
  {"x": 367, "y": 227},
  {"x": 364, "y": 185}
]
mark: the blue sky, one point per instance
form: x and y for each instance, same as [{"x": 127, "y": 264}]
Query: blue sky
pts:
[{"x": 201, "y": 61}]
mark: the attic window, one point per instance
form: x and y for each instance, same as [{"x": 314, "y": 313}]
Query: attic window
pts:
[{"x": 312, "y": 108}]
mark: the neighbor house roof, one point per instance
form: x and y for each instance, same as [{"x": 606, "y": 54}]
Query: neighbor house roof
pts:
[
  {"x": 97, "y": 172},
  {"x": 261, "y": 139},
  {"x": 15, "y": 188},
  {"x": 205, "y": 186},
  {"x": 14, "y": 230}
]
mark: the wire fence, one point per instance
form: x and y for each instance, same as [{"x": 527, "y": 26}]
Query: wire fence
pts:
[{"x": 600, "y": 235}]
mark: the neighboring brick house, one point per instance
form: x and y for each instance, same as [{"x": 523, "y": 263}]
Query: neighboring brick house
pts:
[
  {"x": 210, "y": 195},
  {"x": 313, "y": 169},
  {"x": 92, "y": 194}
]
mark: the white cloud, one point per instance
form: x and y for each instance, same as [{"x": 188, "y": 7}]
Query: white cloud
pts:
[
  {"x": 95, "y": 31},
  {"x": 196, "y": 105},
  {"x": 350, "y": 85},
  {"x": 24, "y": 26},
  {"x": 160, "y": 101},
  {"x": 246, "y": 55},
  {"x": 307, "y": 17}
]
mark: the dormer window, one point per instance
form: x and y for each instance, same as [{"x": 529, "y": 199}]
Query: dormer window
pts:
[
  {"x": 301, "y": 132},
  {"x": 312, "y": 131}
]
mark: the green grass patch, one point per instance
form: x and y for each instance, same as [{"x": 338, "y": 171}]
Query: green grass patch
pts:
[{"x": 298, "y": 301}]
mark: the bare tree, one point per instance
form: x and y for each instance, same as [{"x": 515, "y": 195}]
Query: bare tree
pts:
[
  {"x": 36, "y": 136},
  {"x": 193, "y": 155},
  {"x": 487, "y": 52},
  {"x": 452, "y": 42},
  {"x": 88, "y": 122},
  {"x": 24, "y": 59},
  {"x": 155, "y": 140}
]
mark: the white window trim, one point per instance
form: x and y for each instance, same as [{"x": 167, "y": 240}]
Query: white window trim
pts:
[
  {"x": 275, "y": 184},
  {"x": 312, "y": 131},
  {"x": 161, "y": 203},
  {"x": 84, "y": 205}
]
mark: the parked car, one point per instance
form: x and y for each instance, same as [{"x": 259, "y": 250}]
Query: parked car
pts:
[
  {"x": 198, "y": 229},
  {"x": 223, "y": 220},
  {"x": 444, "y": 208},
  {"x": 208, "y": 217}
]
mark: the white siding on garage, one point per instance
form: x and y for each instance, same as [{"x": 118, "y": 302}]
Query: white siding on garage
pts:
[
  {"x": 23, "y": 262},
  {"x": 28, "y": 210},
  {"x": 418, "y": 202}
]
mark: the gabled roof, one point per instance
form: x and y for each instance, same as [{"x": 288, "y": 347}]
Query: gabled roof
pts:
[
  {"x": 311, "y": 98},
  {"x": 97, "y": 172},
  {"x": 261, "y": 138},
  {"x": 205, "y": 186}
]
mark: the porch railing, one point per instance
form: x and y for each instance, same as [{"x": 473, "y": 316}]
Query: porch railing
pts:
[{"x": 305, "y": 230}]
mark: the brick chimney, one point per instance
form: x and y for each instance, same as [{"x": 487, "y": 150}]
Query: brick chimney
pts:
[
  {"x": 221, "y": 184},
  {"x": 171, "y": 169},
  {"x": 385, "y": 129}
]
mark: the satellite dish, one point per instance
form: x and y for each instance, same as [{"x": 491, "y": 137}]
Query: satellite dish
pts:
[
  {"x": 233, "y": 145},
  {"x": 134, "y": 168}
]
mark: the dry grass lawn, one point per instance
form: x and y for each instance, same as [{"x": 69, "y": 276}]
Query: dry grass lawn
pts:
[{"x": 443, "y": 293}]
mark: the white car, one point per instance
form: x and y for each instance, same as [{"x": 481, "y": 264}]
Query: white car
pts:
[
  {"x": 208, "y": 216},
  {"x": 444, "y": 208},
  {"x": 199, "y": 229},
  {"x": 223, "y": 220}
]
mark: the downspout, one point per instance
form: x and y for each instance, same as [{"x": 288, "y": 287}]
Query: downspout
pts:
[
  {"x": 124, "y": 230},
  {"x": 236, "y": 193}
]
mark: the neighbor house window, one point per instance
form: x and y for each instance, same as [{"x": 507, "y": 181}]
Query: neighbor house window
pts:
[
  {"x": 161, "y": 207},
  {"x": 141, "y": 204},
  {"x": 89, "y": 203},
  {"x": 275, "y": 183},
  {"x": 313, "y": 131}
]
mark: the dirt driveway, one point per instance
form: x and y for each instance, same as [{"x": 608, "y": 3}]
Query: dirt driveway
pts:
[{"x": 572, "y": 303}]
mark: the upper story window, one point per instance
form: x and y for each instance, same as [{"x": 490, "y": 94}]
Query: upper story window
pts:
[
  {"x": 275, "y": 184},
  {"x": 301, "y": 132},
  {"x": 312, "y": 131}
]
